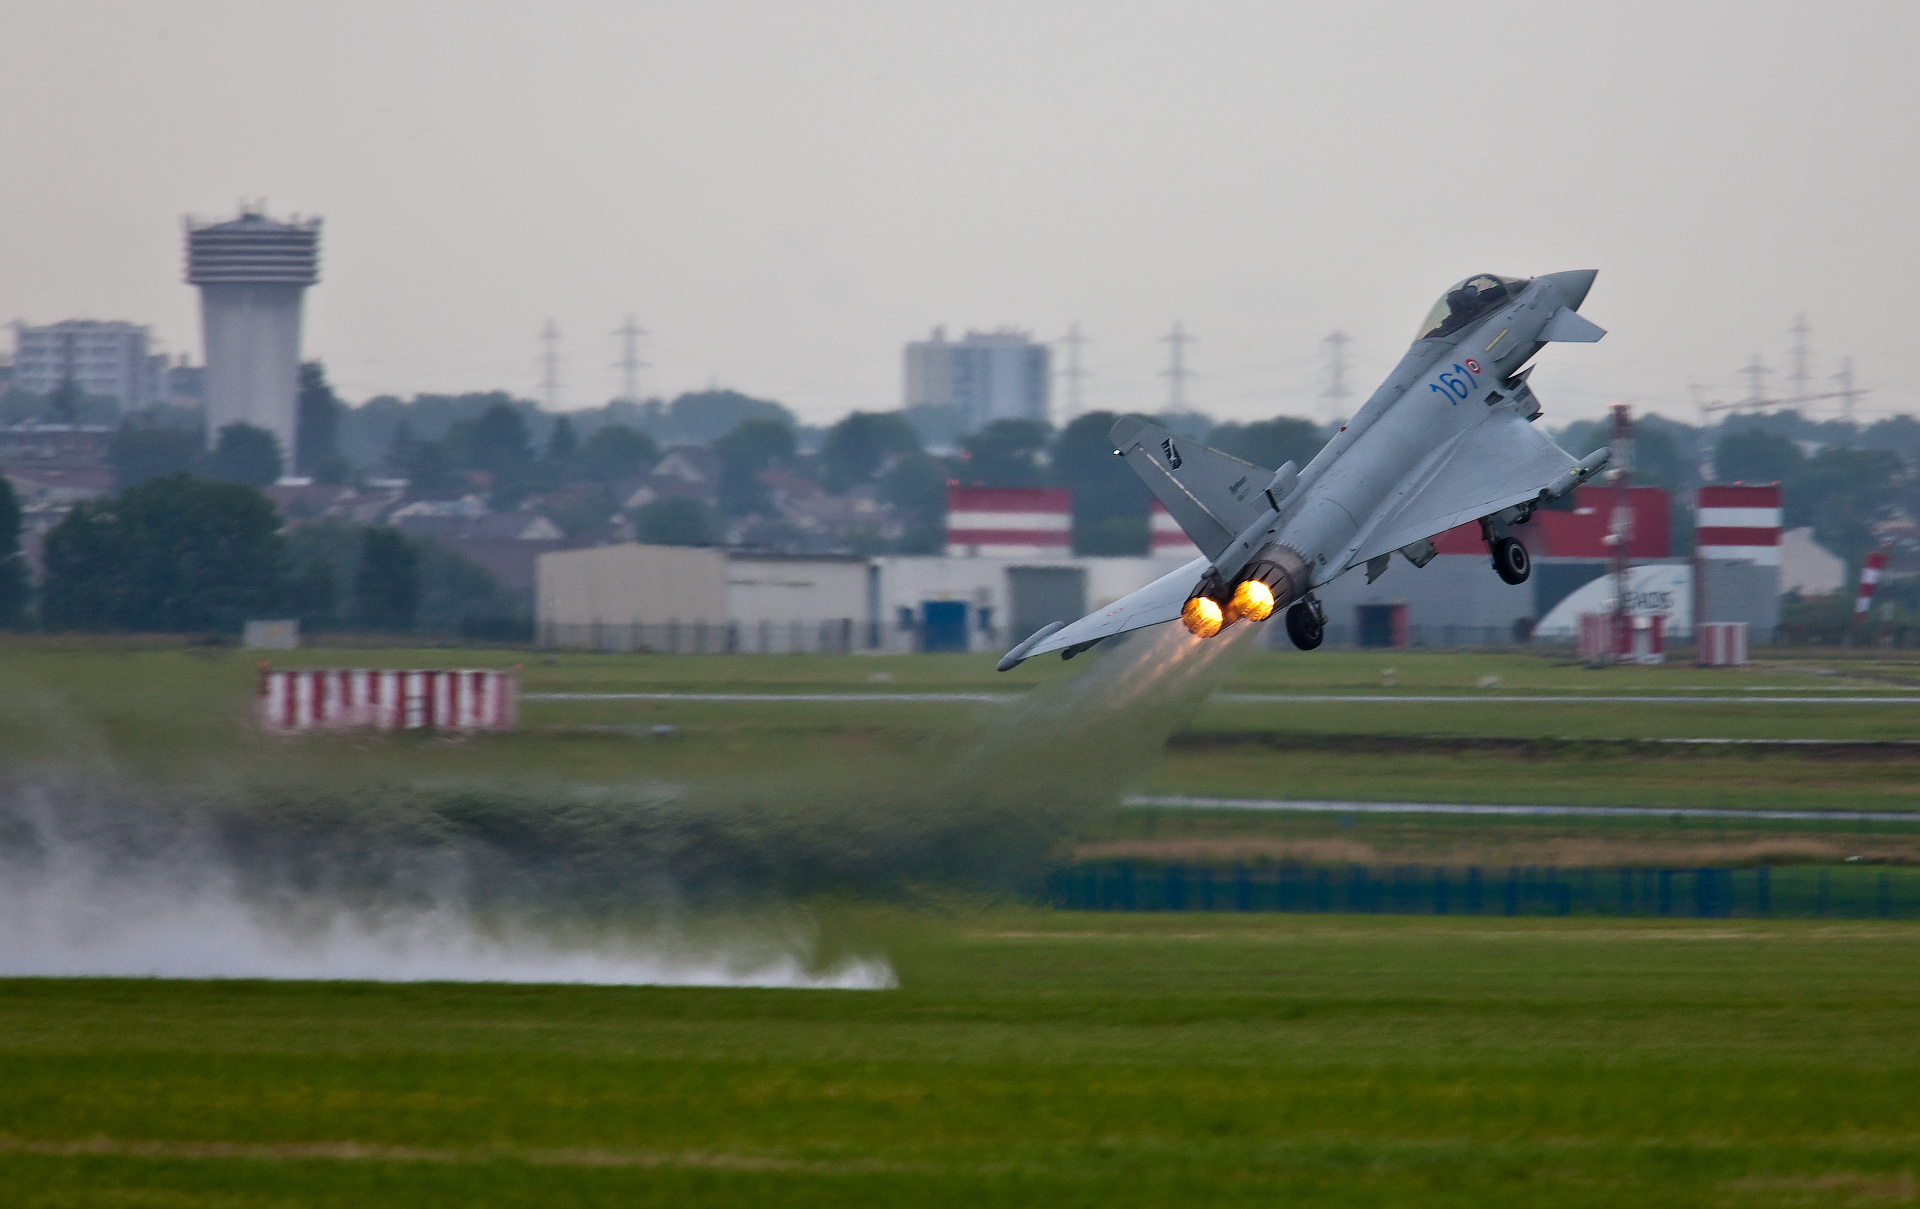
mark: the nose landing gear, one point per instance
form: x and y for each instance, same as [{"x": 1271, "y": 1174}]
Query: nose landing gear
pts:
[{"x": 1307, "y": 623}]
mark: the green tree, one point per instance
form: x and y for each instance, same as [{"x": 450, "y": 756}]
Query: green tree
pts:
[
  {"x": 563, "y": 449},
  {"x": 13, "y": 565},
  {"x": 313, "y": 594},
  {"x": 1753, "y": 455},
  {"x": 755, "y": 445},
  {"x": 245, "y": 454},
  {"x": 703, "y": 416},
  {"x": 496, "y": 443},
  {"x": 386, "y": 588},
  {"x": 173, "y": 554},
  {"x": 863, "y": 444},
  {"x": 1841, "y": 493},
  {"x": 139, "y": 452},
  {"x": 1006, "y": 453},
  {"x": 676, "y": 521},
  {"x": 1109, "y": 500},
  {"x": 617, "y": 452},
  {"x": 1270, "y": 443},
  {"x": 459, "y": 596},
  {"x": 316, "y": 441},
  {"x": 917, "y": 486}
]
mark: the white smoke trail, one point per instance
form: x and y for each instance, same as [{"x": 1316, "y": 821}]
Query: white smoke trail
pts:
[{"x": 73, "y": 909}]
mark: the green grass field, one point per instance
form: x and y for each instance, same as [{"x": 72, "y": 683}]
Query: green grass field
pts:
[
  {"x": 1026, "y": 1058},
  {"x": 1029, "y": 1056}
]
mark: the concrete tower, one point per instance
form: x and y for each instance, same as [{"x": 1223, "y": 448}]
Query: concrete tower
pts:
[{"x": 252, "y": 273}]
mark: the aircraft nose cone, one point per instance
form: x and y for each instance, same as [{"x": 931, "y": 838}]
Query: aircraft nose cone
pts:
[{"x": 1574, "y": 284}]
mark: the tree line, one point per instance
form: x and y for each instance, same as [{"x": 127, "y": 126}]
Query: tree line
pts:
[{"x": 178, "y": 554}]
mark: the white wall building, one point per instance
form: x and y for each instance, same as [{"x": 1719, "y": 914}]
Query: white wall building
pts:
[
  {"x": 988, "y": 604},
  {"x": 701, "y": 600},
  {"x": 109, "y": 359},
  {"x": 988, "y": 376}
]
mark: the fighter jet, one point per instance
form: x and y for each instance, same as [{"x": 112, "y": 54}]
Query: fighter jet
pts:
[{"x": 1448, "y": 438}]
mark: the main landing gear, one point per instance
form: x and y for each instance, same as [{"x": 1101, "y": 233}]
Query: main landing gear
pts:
[
  {"x": 1307, "y": 623},
  {"x": 1511, "y": 560}
]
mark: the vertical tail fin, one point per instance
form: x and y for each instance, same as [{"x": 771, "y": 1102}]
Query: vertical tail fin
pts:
[{"x": 1212, "y": 496}]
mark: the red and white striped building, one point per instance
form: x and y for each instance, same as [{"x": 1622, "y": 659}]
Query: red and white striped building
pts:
[
  {"x": 294, "y": 700},
  {"x": 1739, "y": 523},
  {"x": 1009, "y": 522}
]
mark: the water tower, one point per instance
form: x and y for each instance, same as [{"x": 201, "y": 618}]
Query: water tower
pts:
[{"x": 252, "y": 273}]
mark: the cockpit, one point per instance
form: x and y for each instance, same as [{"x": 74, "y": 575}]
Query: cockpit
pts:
[{"x": 1467, "y": 301}]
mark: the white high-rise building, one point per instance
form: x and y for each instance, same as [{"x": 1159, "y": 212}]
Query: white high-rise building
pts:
[
  {"x": 252, "y": 273},
  {"x": 100, "y": 358},
  {"x": 988, "y": 376}
]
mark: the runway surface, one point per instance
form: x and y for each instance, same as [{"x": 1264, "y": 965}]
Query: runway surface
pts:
[{"x": 1303, "y": 806}]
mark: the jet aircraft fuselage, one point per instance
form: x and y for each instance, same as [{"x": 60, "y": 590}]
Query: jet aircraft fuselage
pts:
[{"x": 1446, "y": 439}]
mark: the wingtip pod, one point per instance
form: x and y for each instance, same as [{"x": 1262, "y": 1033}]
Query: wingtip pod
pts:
[{"x": 1018, "y": 654}]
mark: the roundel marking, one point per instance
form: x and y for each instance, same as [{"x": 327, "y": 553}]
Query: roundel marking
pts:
[{"x": 1473, "y": 367}]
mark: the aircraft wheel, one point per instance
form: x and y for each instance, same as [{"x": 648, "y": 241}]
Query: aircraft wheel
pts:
[
  {"x": 1305, "y": 626},
  {"x": 1511, "y": 560}
]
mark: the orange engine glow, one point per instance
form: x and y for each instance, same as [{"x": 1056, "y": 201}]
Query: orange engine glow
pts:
[
  {"x": 1202, "y": 616},
  {"x": 1253, "y": 600}
]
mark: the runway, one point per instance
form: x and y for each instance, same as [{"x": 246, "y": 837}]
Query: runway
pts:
[{"x": 1303, "y": 806}]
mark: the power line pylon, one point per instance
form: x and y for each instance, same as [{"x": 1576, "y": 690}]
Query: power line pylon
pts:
[
  {"x": 1336, "y": 391},
  {"x": 550, "y": 366},
  {"x": 630, "y": 363},
  {"x": 1799, "y": 378},
  {"x": 1756, "y": 374},
  {"x": 1177, "y": 372},
  {"x": 1073, "y": 373}
]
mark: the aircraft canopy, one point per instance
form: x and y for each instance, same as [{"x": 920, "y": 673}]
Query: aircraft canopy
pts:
[{"x": 1467, "y": 300}]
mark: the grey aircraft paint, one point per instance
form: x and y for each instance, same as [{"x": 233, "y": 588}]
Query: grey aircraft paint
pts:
[{"x": 1447, "y": 438}]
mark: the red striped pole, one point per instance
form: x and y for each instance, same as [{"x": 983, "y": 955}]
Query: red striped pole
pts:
[{"x": 1870, "y": 569}]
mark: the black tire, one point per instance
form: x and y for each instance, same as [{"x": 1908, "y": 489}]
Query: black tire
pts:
[
  {"x": 1304, "y": 626},
  {"x": 1511, "y": 561}
]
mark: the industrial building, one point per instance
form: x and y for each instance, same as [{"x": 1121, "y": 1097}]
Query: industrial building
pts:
[
  {"x": 987, "y": 376},
  {"x": 690, "y": 599},
  {"x": 110, "y": 360},
  {"x": 253, "y": 273},
  {"x": 1457, "y": 600},
  {"x": 1009, "y": 570}
]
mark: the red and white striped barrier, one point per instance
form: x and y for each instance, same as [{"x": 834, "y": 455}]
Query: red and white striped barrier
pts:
[
  {"x": 350, "y": 698},
  {"x": 1720, "y": 643},
  {"x": 1870, "y": 569}
]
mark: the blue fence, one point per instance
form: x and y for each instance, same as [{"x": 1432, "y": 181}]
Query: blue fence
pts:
[{"x": 1810, "y": 891}]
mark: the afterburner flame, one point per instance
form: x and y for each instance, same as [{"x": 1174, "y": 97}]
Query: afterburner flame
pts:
[
  {"x": 1202, "y": 616},
  {"x": 1253, "y": 600}
]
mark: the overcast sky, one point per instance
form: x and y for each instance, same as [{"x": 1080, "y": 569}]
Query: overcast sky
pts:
[{"x": 783, "y": 193}]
